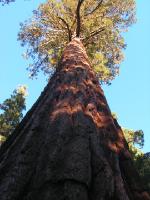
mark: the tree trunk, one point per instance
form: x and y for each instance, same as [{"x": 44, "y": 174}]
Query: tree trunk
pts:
[{"x": 68, "y": 146}]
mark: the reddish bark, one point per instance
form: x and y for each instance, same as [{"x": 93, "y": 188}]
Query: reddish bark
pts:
[{"x": 68, "y": 147}]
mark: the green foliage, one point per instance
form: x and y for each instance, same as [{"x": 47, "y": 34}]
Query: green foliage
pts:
[
  {"x": 135, "y": 140},
  {"x": 11, "y": 112},
  {"x": 114, "y": 115},
  {"x": 2, "y": 139},
  {"x": 54, "y": 23}
]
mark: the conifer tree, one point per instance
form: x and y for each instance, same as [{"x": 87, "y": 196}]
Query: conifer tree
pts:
[
  {"x": 69, "y": 146},
  {"x": 11, "y": 112}
]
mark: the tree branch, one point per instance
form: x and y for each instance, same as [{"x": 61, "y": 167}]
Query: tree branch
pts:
[
  {"x": 67, "y": 26},
  {"x": 78, "y": 17},
  {"x": 93, "y": 33},
  {"x": 97, "y": 7}
]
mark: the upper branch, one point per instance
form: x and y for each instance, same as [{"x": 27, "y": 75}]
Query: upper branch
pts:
[
  {"x": 78, "y": 18},
  {"x": 93, "y": 33},
  {"x": 67, "y": 26},
  {"x": 97, "y": 7}
]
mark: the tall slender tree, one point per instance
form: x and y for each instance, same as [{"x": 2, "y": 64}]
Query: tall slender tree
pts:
[{"x": 68, "y": 146}]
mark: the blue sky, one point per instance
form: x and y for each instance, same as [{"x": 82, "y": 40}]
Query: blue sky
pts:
[{"x": 129, "y": 94}]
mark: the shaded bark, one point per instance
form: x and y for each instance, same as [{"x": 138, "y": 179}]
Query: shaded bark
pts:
[{"x": 68, "y": 146}]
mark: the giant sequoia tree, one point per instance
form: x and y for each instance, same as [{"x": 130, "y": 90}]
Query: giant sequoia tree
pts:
[{"x": 68, "y": 146}]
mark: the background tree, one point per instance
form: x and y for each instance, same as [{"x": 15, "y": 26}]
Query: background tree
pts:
[
  {"x": 135, "y": 140},
  {"x": 100, "y": 26},
  {"x": 11, "y": 112},
  {"x": 142, "y": 163}
]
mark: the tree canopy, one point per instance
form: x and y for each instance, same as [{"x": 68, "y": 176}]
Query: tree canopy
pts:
[
  {"x": 135, "y": 140},
  {"x": 99, "y": 23}
]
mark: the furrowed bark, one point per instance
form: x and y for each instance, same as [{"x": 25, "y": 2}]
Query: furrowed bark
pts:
[{"x": 68, "y": 147}]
